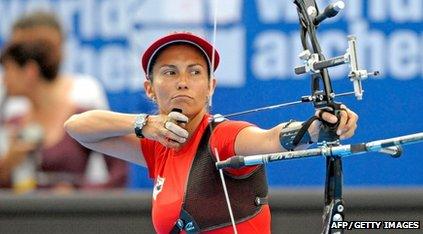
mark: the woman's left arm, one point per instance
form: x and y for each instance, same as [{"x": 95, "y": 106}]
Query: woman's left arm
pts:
[{"x": 254, "y": 140}]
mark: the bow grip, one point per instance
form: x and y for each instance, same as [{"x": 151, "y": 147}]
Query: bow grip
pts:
[{"x": 328, "y": 130}]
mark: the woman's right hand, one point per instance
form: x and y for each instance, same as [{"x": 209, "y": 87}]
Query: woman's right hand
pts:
[{"x": 167, "y": 129}]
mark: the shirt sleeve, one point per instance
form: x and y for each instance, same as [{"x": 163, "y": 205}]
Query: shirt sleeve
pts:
[{"x": 223, "y": 139}]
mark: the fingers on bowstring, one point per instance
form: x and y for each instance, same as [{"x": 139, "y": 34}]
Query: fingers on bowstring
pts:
[
  {"x": 177, "y": 131},
  {"x": 170, "y": 139},
  {"x": 173, "y": 134},
  {"x": 178, "y": 117},
  {"x": 175, "y": 123}
]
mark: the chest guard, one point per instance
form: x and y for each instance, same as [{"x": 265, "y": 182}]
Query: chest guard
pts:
[{"x": 205, "y": 207}]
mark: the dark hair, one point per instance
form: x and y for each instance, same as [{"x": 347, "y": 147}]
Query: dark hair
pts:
[
  {"x": 38, "y": 19},
  {"x": 160, "y": 51},
  {"x": 40, "y": 51}
]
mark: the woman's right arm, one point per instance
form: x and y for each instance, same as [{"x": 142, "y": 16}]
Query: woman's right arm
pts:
[{"x": 107, "y": 132}]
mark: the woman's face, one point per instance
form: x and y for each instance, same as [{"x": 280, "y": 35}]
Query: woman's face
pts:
[{"x": 180, "y": 80}]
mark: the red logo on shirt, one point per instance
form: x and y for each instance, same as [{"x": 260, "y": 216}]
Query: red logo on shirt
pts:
[{"x": 158, "y": 186}]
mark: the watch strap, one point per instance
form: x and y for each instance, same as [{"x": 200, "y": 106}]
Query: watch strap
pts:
[{"x": 140, "y": 122}]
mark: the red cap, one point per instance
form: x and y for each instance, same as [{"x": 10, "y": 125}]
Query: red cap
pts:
[{"x": 180, "y": 37}]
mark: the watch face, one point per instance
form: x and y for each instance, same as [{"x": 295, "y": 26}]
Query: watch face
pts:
[{"x": 140, "y": 122}]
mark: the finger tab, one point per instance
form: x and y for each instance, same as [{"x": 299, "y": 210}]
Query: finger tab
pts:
[{"x": 178, "y": 117}]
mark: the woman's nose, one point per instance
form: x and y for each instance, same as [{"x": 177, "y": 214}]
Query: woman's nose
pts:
[{"x": 183, "y": 81}]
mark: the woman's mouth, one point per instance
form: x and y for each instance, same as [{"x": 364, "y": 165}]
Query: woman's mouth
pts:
[{"x": 177, "y": 97}]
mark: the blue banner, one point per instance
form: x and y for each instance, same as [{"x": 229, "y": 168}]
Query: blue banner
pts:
[{"x": 259, "y": 45}]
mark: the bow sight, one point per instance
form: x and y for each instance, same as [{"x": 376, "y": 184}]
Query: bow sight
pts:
[{"x": 313, "y": 65}]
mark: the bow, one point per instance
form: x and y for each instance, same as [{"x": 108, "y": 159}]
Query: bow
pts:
[
  {"x": 316, "y": 65},
  {"x": 323, "y": 98}
]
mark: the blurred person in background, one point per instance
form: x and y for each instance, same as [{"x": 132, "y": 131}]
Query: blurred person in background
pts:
[
  {"x": 179, "y": 145},
  {"x": 39, "y": 101}
]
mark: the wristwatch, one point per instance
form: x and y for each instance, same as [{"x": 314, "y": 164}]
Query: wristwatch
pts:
[{"x": 140, "y": 122}]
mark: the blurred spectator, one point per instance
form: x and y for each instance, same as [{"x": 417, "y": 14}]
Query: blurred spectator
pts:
[{"x": 40, "y": 99}]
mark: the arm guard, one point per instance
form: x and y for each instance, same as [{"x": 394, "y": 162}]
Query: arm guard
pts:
[{"x": 291, "y": 137}]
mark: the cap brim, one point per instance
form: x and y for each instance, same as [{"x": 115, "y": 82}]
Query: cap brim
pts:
[{"x": 188, "y": 38}]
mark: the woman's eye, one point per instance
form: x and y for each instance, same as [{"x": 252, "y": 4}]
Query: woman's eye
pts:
[
  {"x": 169, "y": 73},
  {"x": 195, "y": 72}
]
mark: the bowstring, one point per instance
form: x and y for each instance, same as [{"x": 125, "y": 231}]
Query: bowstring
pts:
[{"x": 225, "y": 190}]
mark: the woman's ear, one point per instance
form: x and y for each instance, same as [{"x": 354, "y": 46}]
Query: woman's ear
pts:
[
  {"x": 149, "y": 91},
  {"x": 212, "y": 86}
]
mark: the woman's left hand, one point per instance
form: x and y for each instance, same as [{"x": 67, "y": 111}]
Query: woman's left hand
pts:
[{"x": 347, "y": 122}]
